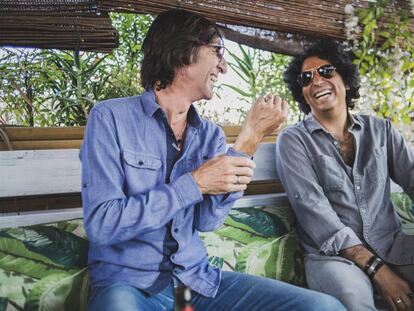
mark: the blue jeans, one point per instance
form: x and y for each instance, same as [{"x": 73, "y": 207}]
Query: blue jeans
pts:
[
  {"x": 343, "y": 279},
  {"x": 237, "y": 292}
]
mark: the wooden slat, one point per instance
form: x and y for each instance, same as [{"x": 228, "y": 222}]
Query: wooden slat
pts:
[
  {"x": 44, "y": 172},
  {"x": 30, "y": 219},
  {"x": 42, "y": 145},
  {"x": 51, "y": 202},
  {"x": 43, "y": 217},
  {"x": 44, "y": 133},
  {"x": 37, "y": 172},
  {"x": 36, "y": 138}
]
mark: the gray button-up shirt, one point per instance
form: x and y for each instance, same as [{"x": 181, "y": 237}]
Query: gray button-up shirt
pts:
[{"x": 338, "y": 206}]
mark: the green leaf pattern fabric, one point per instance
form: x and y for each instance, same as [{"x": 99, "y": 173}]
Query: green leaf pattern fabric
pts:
[
  {"x": 44, "y": 267},
  {"x": 259, "y": 241}
]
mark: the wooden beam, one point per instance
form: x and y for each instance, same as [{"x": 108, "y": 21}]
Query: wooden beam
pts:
[{"x": 273, "y": 42}]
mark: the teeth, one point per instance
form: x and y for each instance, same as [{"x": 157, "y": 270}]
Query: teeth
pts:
[{"x": 323, "y": 93}]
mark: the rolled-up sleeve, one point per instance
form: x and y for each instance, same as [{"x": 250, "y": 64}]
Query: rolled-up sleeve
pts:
[{"x": 315, "y": 215}]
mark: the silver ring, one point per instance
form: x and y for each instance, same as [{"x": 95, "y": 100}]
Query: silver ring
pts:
[
  {"x": 238, "y": 179},
  {"x": 399, "y": 300}
]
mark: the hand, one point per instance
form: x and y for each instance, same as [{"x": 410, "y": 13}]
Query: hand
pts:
[
  {"x": 266, "y": 116},
  {"x": 224, "y": 174},
  {"x": 394, "y": 289}
]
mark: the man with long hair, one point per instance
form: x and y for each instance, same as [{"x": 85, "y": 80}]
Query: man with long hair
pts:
[{"x": 155, "y": 174}]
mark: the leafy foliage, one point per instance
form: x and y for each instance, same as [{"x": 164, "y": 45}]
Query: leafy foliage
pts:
[
  {"x": 261, "y": 72},
  {"x": 384, "y": 54},
  {"x": 50, "y": 87}
]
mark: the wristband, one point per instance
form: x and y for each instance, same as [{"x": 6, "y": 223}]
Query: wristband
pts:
[{"x": 373, "y": 265}]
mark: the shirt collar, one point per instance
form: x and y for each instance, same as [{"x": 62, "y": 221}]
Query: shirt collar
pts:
[
  {"x": 151, "y": 107},
  {"x": 313, "y": 125}
]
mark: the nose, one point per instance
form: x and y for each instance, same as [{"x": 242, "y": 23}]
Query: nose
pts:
[
  {"x": 317, "y": 79},
  {"x": 222, "y": 65}
]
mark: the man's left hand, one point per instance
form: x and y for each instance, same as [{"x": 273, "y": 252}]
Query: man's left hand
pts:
[{"x": 266, "y": 116}]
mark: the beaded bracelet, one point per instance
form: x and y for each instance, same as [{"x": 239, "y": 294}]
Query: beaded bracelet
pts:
[{"x": 373, "y": 265}]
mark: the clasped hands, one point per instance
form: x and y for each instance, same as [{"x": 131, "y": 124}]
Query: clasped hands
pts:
[{"x": 223, "y": 173}]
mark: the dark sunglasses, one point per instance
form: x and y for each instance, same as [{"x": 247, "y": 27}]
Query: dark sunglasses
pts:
[
  {"x": 325, "y": 71},
  {"x": 219, "y": 50}
]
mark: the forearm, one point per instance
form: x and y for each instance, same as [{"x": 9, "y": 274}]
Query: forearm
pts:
[
  {"x": 110, "y": 221},
  {"x": 248, "y": 141},
  {"x": 359, "y": 254}
]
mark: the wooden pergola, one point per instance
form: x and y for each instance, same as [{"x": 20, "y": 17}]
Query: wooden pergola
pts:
[{"x": 275, "y": 25}]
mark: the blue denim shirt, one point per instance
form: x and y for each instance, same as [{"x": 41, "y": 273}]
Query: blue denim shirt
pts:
[
  {"x": 128, "y": 206},
  {"x": 338, "y": 206}
]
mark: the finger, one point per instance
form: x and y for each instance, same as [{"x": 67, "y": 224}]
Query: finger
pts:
[
  {"x": 285, "y": 107},
  {"x": 277, "y": 102},
  {"x": 240, "y": 161},
  {"x": 237, "y": 187},
  {"x": 407, "y": 302},
  {"x": 399, "y": 304},
  {"x": 391, "y": 304},
  {"x": 243, "y": 171},
  {"x": 269, "y": 98},
  {"x": 243, "y": 180}
]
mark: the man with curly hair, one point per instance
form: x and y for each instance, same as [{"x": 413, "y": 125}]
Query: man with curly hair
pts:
[{"x": 336, "y": 168}]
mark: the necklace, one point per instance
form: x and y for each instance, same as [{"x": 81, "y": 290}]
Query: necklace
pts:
[{"x": 177, "y": 146}]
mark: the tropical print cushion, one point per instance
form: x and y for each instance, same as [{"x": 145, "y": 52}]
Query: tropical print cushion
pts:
[
  {"x": 44, "y": 267},
  {"x": 405, "y": 209},
  {"x": 259, "y": 241}
]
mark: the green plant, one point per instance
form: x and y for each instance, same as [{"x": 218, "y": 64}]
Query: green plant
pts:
[
  {"x": 383, "y": 44},
  {"x": 261, "y": 72},
  {"x": 55, "y": 88}
]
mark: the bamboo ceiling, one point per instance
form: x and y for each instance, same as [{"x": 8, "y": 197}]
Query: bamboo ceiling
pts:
[
  {"x": 60, "y": 24},
  {"x": 314, "y": 18},
  {"x": 277, "y": 25}
]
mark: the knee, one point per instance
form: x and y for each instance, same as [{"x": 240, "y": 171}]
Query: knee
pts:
[
  {"x": 114, "y": 298},
  {"x": 327, "y": 303}
]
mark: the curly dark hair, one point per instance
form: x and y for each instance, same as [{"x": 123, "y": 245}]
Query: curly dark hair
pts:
[
  {"x": 172, "y": 42},
  {"x": 334, "y": 53}
]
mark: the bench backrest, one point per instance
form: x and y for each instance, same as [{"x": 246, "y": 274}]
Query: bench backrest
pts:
[{"x": 46, "y": 172}]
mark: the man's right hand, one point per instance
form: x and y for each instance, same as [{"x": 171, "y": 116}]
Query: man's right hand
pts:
[
  {"x": 393, "y": 289},
  {"x": 224, "y": 174}
]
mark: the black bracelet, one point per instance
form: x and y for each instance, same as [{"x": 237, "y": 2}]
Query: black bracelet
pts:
[{"x": 373, "y": 265}]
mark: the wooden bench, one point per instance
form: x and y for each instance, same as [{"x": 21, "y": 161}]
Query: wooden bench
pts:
[
  {"x": 40, "y": 190},
  {"x": 31, "y": 173}
]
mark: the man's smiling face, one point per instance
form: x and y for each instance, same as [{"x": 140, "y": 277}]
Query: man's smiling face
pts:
[{"x": 323, "y": 95}]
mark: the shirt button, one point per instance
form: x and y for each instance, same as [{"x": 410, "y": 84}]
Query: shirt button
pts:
[
  {"x": 358, "y": 187},
  {"x": 335, "y": 143},
  {"x": 140, "y": 163},
  {"x": 363, "y": 210},
  {"x": 176, "y": 230}
]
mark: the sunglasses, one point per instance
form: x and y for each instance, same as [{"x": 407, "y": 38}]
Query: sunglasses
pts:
[
  {"x": 219, "y": 50},
  {"x": 325, "y": 71}
]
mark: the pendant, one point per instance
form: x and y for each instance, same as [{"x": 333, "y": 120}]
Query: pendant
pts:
[{"x": 176, "y": 147}]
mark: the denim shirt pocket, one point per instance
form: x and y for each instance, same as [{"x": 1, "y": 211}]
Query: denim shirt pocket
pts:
[
  {"x": 376, "y": 165},
  {"x": 330, "y": 173},
  {"x": 142, "y": 170}
]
